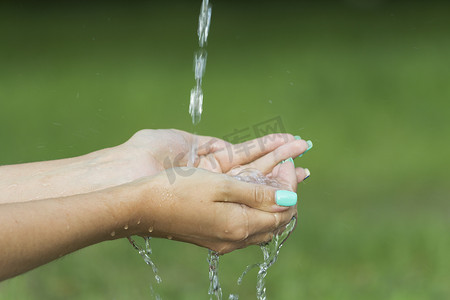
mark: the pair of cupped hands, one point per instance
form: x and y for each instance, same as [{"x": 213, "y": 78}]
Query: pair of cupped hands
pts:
[{"x": 203, "y": 204}]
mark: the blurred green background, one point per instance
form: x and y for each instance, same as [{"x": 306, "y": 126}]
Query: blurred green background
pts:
[{"x": 367, "y": 81}]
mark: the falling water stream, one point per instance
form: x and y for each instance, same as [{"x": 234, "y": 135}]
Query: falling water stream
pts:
[
  {"x": 195, "y": 110},
  {"x": 200, "y": 56},
  {"x": 269, "y": 250},
  {"x": 270, "y": 253},
  {"x": 146, "y": 252}
]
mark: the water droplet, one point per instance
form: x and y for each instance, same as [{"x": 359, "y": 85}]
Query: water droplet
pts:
[
  {"x": 125, "y": 227},
  {"x": 113, "y": 233},
  {"x": 139, "y": 222},
  {"x": 150, "y": 229},
  {"x": 158, "y": 279}
]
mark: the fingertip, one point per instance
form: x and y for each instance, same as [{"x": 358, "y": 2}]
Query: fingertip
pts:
[
  {"x": 302, "y": 174},
  {"x": 287, "y": 160},
  {"x": 298, "y": 147}
]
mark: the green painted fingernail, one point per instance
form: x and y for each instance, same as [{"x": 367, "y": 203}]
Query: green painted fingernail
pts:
[
  {"x": 289, "y": 159},
  {"x": 285, "y": 198},
  {"x": 297, "y": 137},
  {"x": 310, "y": 145}
]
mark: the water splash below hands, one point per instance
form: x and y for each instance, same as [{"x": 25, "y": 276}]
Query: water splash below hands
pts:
[
  {"x": 270, "y": 250},
  {"x": 146, "y": 255},
  {"x": 214, "y": 284}
]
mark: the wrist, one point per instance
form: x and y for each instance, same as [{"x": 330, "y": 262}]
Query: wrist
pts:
[
  {"x": 122, "y": 204},
  {"x": 95, "y": 171},
  {"x": 134, "y": 207}
]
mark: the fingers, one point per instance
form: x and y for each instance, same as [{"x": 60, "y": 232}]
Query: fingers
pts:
[
  {"x": 285, "y": 174},
  {"x": 264, "y": 222},
  {"x": 267, "y": 162},
  {"x": 255, "y": 227},
  {"x": 229, "y": 155},
  {"x": 208, "y": 144},
  {"x": 257, "y": 196}
]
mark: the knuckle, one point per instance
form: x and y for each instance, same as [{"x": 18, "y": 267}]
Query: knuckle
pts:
[
  {"x": 239, "y": 234},
  {"x": 143, "y": 132},
  {"x": 233, "y": 233},
  {"x": 276, "y": 155},
  {"x": 236, "y": 227},
  {"x": 261, "y": 195}
]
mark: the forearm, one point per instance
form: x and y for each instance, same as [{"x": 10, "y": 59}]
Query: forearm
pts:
[
  {"x": 37, "y": 232},
  {"x": 205, "y": 208},
  {"x": 64, "y": 177}
]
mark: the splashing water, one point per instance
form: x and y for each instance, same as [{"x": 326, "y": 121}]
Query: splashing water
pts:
[
  {"x": 214, "y": 284},
  {"x": 253, "y": 176},
  {"x": 145, "y": 253},
  {"x": 195, "y": 110},
  {"x": 269, "y": 250}
]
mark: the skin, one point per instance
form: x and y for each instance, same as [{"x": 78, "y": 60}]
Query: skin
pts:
[{"x": 62, "y": 206}]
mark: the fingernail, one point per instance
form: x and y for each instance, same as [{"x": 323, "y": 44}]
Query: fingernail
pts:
[
  {"x": 297, "y": 137},
  {"x": 308, "y": 173},
  {"x": 310, "y": 145},
  {"x": 289, "y": 159},
  {"x": 285, "y": 198}
]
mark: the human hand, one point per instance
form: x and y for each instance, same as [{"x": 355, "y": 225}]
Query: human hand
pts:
[
  {"x": 151, "y": 151},
  {"x": 145, "y": 154},
  {"x": 211, "y": 210}
]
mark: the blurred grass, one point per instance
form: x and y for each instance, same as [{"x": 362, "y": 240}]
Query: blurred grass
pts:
[{"x": 367, "y": 84}]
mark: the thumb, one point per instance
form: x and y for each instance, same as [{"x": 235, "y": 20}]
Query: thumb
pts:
[{"x": 258, "y": 196}]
